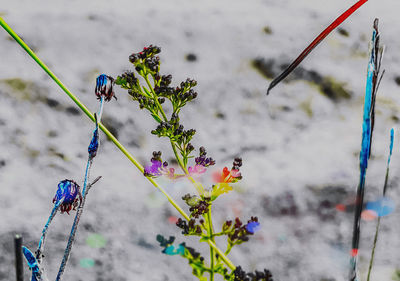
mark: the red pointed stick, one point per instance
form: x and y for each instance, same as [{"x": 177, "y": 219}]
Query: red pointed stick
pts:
[{"x": 314, "y": 43}]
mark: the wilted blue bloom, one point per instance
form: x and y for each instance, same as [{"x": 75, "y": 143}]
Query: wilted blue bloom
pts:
[
  {"x": 68, "y": 190},
  {"x": 253, "y": 226},
  {"x": 104, "y": 87}
]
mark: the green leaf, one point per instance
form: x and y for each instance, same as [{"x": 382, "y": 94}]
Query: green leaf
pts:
[{"x": 156, "y": 117}]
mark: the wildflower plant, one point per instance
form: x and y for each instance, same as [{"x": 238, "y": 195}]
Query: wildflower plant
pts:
[{"x": 152, "y": 90}]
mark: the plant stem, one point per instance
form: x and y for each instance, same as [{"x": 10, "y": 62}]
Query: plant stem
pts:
[
  {"x": 229, "y": 248},
  {"x": 371, "y": 261},
  {"x": 53, "y": 213},
  {"x": 155, "y": 98},
  {"x": 105, "y": 130},
  {"x": 210, "y": 234}
]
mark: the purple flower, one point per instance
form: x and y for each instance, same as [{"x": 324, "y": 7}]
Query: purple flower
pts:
[
  {"x": 153, "y": 170},
  {"x": 202, "y": 160}
]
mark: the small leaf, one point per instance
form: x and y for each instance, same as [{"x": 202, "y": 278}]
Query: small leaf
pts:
[
  {"x": 219, "y": 189},
  {"x": 156, "y": 118}
]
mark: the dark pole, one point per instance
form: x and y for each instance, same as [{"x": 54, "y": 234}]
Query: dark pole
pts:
[{"x": 19, "y": 270}]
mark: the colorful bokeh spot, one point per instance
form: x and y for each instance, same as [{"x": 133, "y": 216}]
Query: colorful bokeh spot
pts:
[
  {"x": 86, "y": 263},
  {"x": 96, "y": 240},
  {"x": 341, "y": 207},
  {"x": 369, "y": 215},
  {"x": 172, "y": 220},
  {"x": 382, "y": 207},
  {"x": 354, "y": 252}
]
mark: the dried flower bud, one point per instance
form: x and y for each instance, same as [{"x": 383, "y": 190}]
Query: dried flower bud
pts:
[
  {"x": 69, "y": 192},
  {"x": 104, "y": 87}
]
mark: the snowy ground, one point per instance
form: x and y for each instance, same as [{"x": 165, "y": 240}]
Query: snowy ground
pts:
[{"x": 299, "y": 146}]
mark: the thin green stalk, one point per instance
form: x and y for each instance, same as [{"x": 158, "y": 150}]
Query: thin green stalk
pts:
[
  {"x": 371, "y": 261},
  {"x": 155, "y": 98},
  {"x": 210, "y": 234},
  {"x": 228, "y": 250},
  {"x": 222, "y": 255},
  {"x": 105, "y": 130}
]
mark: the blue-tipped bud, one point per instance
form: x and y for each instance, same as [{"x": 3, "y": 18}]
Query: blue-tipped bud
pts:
[
  {"x": 104, "y": 87},
  {"x": 30, "y": 259},
  {"x": 391, "y": 144},
  {"x": 94, "y": 144}
]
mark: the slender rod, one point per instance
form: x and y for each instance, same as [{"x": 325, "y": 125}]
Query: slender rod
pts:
[{"x": 19, "y": 270}]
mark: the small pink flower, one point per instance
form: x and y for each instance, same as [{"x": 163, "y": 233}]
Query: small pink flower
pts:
[{"x": 196, "y": 170}]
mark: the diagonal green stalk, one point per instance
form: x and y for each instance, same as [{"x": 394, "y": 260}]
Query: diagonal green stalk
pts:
[{"x": 105, "y": 130}]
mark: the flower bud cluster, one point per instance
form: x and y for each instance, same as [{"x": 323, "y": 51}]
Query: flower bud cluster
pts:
[
  {"x": 158, "y": 167},
  {"x": 240, "y": 275},
  {"x": 239, "y": 233},
  {"x": 198, "y": 207},
  {"x": 148, "y": 52},
  {"x": 151, "y": 97},
  {"x": 190, "y": 228},
  {"x": 203, "y": 160}
]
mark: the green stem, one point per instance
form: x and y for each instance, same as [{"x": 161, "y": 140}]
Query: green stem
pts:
[
  {"x": 371, "y": 261},
  {"x": 105, "y": 130},
  {"x": 228, "y": 249},
  {"x": 146, "y": 77},
  {"x": 210, "y": 234}
]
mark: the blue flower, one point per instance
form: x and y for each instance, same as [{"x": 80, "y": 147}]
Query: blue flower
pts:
[{"x": 253, "y": 226}]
